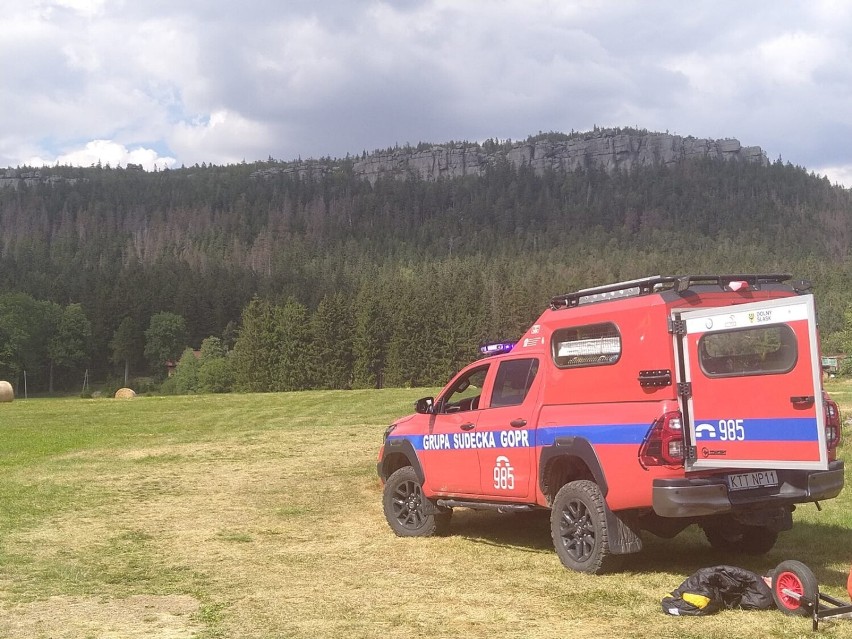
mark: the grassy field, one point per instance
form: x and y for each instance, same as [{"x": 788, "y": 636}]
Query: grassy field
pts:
[{"x": 260, "y": 516}]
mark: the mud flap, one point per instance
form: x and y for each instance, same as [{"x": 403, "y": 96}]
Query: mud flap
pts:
[
  {"x": 623, "y": 540},
  {"x": 429, "y": 507}
]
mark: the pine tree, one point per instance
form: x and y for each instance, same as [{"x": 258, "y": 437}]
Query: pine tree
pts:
[
  {"x": 370, "y": 340},
  {"x": 257, "y": 349},
  {"x": 332, "y": 343},
  {"x": 292, "y": 332}
]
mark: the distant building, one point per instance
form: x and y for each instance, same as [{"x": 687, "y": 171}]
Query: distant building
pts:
[
  {"x": 831, "y": 363},
  {"x": 172, "y": 365}
]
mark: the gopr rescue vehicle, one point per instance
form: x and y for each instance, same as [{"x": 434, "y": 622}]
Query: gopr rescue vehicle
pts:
[{"x": 651, "y": 404}]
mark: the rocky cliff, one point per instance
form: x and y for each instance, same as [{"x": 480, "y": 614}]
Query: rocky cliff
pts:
[
  {"x": 13, "y": 178},
  {"x": 609, "y": 150}
]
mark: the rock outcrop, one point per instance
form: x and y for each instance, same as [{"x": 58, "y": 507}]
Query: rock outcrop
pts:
[
  {"x": 13, "y": 178},
  {"x": 609, "y": 150}
]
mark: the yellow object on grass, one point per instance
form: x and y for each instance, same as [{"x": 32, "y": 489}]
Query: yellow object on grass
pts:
[{"x": 699, "y": 601}]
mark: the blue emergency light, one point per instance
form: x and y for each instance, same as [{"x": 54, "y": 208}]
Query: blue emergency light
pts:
[{"x": 496, "y": 348}]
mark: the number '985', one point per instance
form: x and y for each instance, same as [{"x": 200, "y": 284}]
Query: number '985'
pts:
[{"x": 731, "y": 430}]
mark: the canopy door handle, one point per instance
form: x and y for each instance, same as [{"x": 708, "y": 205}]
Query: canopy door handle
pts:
[{"x": 802, "y": 400}]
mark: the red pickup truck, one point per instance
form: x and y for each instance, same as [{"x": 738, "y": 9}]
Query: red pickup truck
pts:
[{"x": 651, "y": 404}]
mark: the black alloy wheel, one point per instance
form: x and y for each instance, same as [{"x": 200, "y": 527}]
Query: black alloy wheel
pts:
[
  {"x": 579, "y": 528},
  {"x": 408, "y": 512}
]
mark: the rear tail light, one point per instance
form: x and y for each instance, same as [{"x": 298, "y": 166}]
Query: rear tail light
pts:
[
  {"x": 832, "y": 423},
  {"x": 663, "y": 445}
]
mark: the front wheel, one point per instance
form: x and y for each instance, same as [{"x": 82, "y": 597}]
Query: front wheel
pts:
[
  {"x": 579, "y": 529},
  {"x": 408, "y": 511},
  {"x": 794, "y": 588}
]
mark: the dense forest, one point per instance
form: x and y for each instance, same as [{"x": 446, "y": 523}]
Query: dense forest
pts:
[{"x": 330, "y": 281}]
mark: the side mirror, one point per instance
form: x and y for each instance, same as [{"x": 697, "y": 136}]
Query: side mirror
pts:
[{"x": 424, "y": 405}]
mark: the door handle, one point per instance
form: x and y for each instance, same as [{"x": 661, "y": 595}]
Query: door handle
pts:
[
  {"x": 802, "y": 400},
  {"x": 517, "y": 423},
  {"x": 467, "y": 426}
]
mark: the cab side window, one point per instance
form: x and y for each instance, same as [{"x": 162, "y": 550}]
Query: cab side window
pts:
[
  {"x": 464, "y": 393},
  {"x": 513, "y": 382}
]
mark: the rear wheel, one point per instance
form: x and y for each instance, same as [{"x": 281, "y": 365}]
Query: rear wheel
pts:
[
  {"x": 408, "y": 511},
  {"x": 794, "y": 588},
  {"x": 736, "y": 538},
  {"x": 579, "y": 529}
]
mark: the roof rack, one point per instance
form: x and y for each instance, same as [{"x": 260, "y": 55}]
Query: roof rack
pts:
[{"x": 657, "y": 283}]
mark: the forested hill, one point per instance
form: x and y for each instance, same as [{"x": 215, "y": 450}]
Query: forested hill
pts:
[{"x": 456, "y": 259}]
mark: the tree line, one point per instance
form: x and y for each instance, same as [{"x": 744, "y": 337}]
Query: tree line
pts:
[
  {"x": 411, "y": 274},
  {"x": 414, "y": 326},
  {"x": 41, "y": 336},
  {"x": 402, "y": 328}
]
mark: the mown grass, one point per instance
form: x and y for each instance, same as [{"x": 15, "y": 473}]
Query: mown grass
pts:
[{"x": 260, "y": 516}]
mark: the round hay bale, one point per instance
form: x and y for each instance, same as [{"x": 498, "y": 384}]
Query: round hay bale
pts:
[
  {"x": 125, "y": 393},
  {"x": 7, "y": 394}
]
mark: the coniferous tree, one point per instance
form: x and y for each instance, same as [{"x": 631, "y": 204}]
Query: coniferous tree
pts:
[
  {"x": 411, "y": 352},
  {"x": 370, "y": 339},
  {"x": 257, "y": 348},
  {"x": 293, "y": 334},
  {"x": 331, "y": 343}
]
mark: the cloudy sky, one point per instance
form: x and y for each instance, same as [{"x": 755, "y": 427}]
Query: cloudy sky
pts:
[{"x": 179, "y": 82}]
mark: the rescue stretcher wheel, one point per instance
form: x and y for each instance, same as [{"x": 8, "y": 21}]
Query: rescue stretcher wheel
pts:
[
  {"x": 849, "y": 584},
  {"x": 794, "y": 588}
]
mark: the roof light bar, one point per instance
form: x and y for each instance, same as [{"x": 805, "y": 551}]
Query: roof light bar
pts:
[{"x": 496, "y": 348}]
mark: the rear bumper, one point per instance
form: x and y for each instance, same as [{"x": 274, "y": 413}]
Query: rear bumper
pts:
[{"x": 710, "y": 495}]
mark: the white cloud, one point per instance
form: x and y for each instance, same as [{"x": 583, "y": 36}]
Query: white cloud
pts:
[
  {"x": 841, "y": 175},
  {"x": 107, "y": 152},
  {"x": 226, "y": 136},
  {"x": 84, "y": 7},
  {"x": 793, "y": 58}
]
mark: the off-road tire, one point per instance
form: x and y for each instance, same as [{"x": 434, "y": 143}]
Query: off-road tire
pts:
[
  {"x": 408, "y": 512},
  {"x": 743, "y": 540},
  {"x": 794, "y": 588},
  {"x": 579, "y": 529}
]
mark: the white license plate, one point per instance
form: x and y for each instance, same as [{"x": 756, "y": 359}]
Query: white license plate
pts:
[{"x": 758, "y": 479}]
